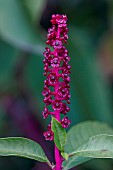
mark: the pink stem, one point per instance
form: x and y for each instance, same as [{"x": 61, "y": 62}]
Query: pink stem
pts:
[
  {"x": 57, "y": 116},
  {"x": 57, "y": 152},
  {"x": 58, "y": 159}
]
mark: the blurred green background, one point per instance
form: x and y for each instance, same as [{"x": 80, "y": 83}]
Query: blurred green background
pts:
[{"x": 23, "y": 29}]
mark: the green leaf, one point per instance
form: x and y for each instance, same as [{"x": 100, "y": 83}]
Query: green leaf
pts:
[
  {"x": 81, "y": 132},
  {"x": 15, "y": 27},
  {"x": 78, "y": 135},
  {"x": 22, "y": 147},
  {"x": 99, "y": 146},
  {"x": 59, "y": 134}
]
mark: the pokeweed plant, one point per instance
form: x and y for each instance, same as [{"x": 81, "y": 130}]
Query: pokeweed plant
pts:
[{"x": 83, "y": 142}]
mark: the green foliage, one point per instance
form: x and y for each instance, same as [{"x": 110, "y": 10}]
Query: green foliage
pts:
[
  {"x": 59, "y": 134},
  {"x": 80, "y": 135},
  {"x": 22, "y": 147},
  {"x": 99, "y": 146},
  {"x": 74, "y": 161},
  {"x": 83, "y": 131}
]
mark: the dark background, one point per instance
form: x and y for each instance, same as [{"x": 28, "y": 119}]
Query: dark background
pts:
[{"x": 23, "y": 28}]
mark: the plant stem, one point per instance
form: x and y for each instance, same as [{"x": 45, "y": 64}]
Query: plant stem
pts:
[
  {"x": 57, "y": 70},
  {"x": 57, "y": 152},
  {"x": 57, "y": 116},
  {"x": 57, "y": 159}
]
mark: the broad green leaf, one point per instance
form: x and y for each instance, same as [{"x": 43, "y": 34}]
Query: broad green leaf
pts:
[
  {"x": 15, "y": 27},
  {"x": 81, "y": 132},
  {"x": 78, "y": 135},
  {"x": 22, "y": 147},
  {"x": 99, "y": 146},
  {"x": 59, "y": 134}
]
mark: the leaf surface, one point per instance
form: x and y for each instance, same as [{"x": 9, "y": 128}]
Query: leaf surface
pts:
[
  {"x": 59, "y": 134},
  {"x": 74, "y": 161},
  {"x": 78, "y": 136},
  {"x": 99, "y": 146},
  {"x": 22, "y": 147}
]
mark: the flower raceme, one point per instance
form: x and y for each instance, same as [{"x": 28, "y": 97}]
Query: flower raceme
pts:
[{"x": 56, "y": 70}]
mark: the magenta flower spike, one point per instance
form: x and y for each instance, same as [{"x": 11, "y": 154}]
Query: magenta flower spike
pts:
[{"x": 56, "y": 70}]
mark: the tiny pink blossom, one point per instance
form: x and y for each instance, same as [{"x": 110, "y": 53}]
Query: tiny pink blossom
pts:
[{"x": 65, "y": 122}]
